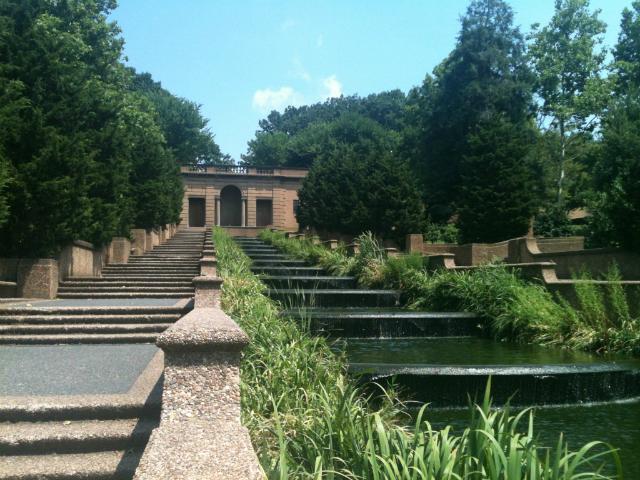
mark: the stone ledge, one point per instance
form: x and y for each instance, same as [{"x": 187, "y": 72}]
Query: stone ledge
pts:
[{"x": 203, "y": 329}]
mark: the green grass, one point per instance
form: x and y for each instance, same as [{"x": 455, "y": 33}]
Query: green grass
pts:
[
  {"x": 514, "y": 309},
  {"x": 308, "y": 419}
]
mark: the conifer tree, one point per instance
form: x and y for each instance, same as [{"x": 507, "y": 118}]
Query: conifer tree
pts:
[{"x": 485, "y": 75}]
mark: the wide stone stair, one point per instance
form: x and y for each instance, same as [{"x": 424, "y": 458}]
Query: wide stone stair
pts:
[
  {"x": 88, "y": 324},
  {"x": 164, "y": 272}
]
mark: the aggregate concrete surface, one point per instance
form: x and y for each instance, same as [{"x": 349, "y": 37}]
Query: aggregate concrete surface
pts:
[
  {"x": 102, "y": 302},
  {"x": 71, "y": 369}
]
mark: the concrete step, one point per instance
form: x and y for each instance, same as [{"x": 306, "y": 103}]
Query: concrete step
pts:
[
  {"x": 136, "y": 319},
  {"x": 142, "y": 294},
  {"x": 84, "y": 328},
  {"x": 270, "y": 256},
  {"x": 151, "y": 282},
  {"x": 128, "y": 266},
  {"x": 386, "y": 323},
  {"x": 309, "y": 282},
  {"x": 123, "y": 288},
  {"x": 74, "y": 436},
  {"x": 73, "y": 338},
  {"x": 109, "y": 465},
  {"x": 110, "y": 277},
  {"x": 279, "y": 263},
  {"x": 285, "y": 271},
  {"x": 180, "y": 308},
  {"x": 334, "y": 297}
]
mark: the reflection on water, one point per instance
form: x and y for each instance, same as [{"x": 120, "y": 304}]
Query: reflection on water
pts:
[{"x": 459, "y": 351}]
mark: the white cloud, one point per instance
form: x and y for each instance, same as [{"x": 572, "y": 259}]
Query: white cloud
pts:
[
  {"x": 333, "y": 87},
  {"x": 288, "y": 24},
  {"x": 267, "y": 99},
  {"x": 299, "y": 71},
  {"x": 320, "y": 41}
]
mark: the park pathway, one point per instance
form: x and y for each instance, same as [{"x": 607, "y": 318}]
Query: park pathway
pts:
[{"x": 80, "y": 376}]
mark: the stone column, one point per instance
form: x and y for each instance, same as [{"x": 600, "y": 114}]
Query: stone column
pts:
[
  {"x": 208, "y": 266},
  {"x": 414, "y": 243},
  {"x": 119, "y": 250},
  {"x": 139, "y": 240},
  {"x": 217, "y": 212},
  {"x": 244, "y": 212},
  {"x": 200, "y": 435},
  {"x": 207, "y": 292},
  {"x": 37, "y": 278}
]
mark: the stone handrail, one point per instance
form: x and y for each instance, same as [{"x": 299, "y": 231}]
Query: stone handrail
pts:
[{"x": 200, "y": 435}]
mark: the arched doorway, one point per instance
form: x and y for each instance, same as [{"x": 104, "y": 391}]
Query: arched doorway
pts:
[{"x": 230, "y": 207}]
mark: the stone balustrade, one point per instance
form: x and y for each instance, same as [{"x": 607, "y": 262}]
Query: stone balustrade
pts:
[{"x": 200, "y": 435}]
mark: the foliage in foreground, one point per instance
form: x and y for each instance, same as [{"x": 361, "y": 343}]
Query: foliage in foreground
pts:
[
  {"x": 606, "y": 320},
  {"x": 308, "y": 420}
]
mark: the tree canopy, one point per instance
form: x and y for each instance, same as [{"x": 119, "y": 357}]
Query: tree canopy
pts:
[{"x": 84, "y": 150}]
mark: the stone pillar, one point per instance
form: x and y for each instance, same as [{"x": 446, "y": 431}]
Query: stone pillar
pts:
[
  {"x": 414, "y": 243},
  {"x": 119, "y": 250},
  {"x": 207, "y": 292},
  {"x": 331, "y": 244},
  {"x": 217, "y": 212},
  {"x": 208, "y": 266},
  {"x": 149, "y": 240},
  {"x": 244, "y": 212},
  {"x": 200, "y": 435},
  {"x": 37, "y": 278},
  {"x": 139, "y": 240}
]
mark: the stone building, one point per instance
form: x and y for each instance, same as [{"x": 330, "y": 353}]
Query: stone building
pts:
[{"x": 244, "y": 197}]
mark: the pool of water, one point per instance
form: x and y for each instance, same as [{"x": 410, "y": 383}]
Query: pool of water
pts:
[
  {"x": 615, "y": 423},
  {"x": 462, "y": 351}
]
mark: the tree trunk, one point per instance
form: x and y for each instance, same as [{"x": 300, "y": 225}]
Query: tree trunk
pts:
[{"x": 563, "y": 148}]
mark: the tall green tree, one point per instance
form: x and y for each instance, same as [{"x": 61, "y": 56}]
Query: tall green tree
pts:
[
  {"x": 356, "y": 181},
  {"x": 617, "y": 173},
  {"x": 486, "y": 75},
  {"x": 276, "y": 142},
  {"x": 627, "y": 51},
  {"x": 79, "y": 146},
  {"x": 496, "y": 168},
  {"x": 183, "y": 126},
  {"x": 568, "y": 62}
]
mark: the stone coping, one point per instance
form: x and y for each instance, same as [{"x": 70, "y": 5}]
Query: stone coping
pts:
[
  {"x": 143, "y": 393},
  {"x": 208, "y": 329},
  {"x": 83, "y": 244}
]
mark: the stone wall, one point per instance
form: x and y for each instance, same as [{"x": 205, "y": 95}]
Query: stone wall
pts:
[{"x": 596, "y": 262}]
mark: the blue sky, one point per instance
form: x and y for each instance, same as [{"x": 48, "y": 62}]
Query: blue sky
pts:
[{"x": 241, "y": 59}]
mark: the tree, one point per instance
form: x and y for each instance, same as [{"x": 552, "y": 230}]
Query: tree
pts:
[
  {"x": 275, "y": 143},
  {"x": 183, "y": 126},
  {"x": 485, "y": 75},
  {"x": 627, "y": 51},
  {"x": 617, "y": 172},
  {"x": 497, "y": 200},
  {"x": 568, "y": 66},
  {"x": 80, "y": 147}
]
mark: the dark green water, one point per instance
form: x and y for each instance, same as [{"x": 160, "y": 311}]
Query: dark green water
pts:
[
  {"x": 460, "y": 351},
  {"x": 616, "y": 423}
]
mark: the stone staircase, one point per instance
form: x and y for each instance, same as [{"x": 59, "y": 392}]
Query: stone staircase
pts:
[
  {"x": 87, "y": 324},
  {"x": 79, "y": 436},
  {"x": 164, "y": 272},
  {"x": 82, "y": 385},
  {"x": 336, "y": 306}
]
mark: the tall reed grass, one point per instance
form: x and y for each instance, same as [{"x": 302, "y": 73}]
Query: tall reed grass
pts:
[{"x": 308, "y": 419}]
